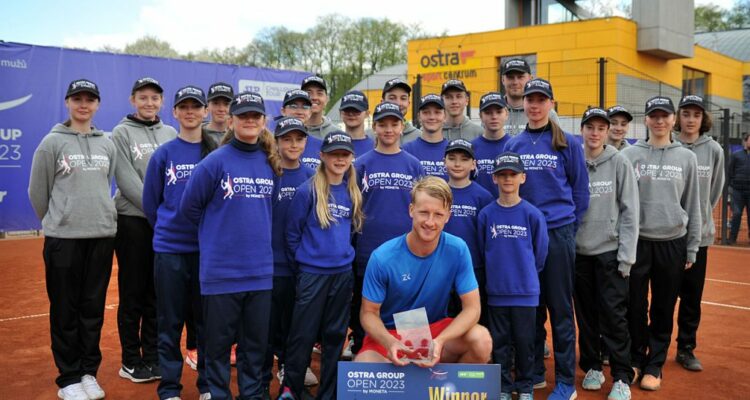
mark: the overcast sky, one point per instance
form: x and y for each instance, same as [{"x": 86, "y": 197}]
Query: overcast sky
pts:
[{"x": 191, "y": 25}]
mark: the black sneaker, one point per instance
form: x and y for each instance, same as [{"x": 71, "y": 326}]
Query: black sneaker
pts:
[
  {"x": 137, "y": 373},
  {"x": 155, "y": 370},
  {"x": 688, "y": 360}
]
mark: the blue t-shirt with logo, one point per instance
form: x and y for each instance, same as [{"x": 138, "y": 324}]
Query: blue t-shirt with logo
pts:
[
  {"x": 400, "y": 281},
  {"x": 362, "y": 146},
  {"x": 311, "y": 155},
  {"x": 485, "y": 152},
  {"x": 430, "y": 155},
  {"x": 386, "y": 181},
  {"x": 557, "y": 181},
  {"x": 315, "y": 249},
  {"x": 467, "y": 203},
  {"x": 285, "y": 190},
  {"x": 229, "y": 197},
  {"x": 168, "y": 172}
]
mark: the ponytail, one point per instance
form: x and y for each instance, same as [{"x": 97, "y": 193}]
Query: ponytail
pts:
[
  {"x": 228, "y": 135},
  {"x": 558, "y": 137},
  {"x": 268, "y": 145},
  {"x": 322, "y": 190}
]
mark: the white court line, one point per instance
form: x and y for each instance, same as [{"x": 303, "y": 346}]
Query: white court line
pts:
[
  {"x": 107, "y": 307},
  {"x": 732, "y": 282},
  {"x": 711, "y": 303}
]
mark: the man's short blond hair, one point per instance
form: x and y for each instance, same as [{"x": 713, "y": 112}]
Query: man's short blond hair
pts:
[{"x": 433, "y": 187}]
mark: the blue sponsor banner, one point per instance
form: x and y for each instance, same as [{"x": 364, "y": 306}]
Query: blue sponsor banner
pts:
[
  {"x": 33, "y": 81},
  {"x": 442, "y": 382}
]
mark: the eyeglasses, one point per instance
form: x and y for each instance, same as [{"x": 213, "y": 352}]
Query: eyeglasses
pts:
[{"x": 298, "y": 106}]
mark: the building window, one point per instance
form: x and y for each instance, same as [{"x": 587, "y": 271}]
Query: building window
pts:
[{"x": 694, "y": 82}]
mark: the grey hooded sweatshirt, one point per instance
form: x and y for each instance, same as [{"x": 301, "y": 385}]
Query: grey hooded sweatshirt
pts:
[
  {"x": 69, "y": 187},
  {"x": 135, "y": 142},
  {"x": 668, "y": 189},
  {"x": 467, "y": 129},
  {"x": 410, "y": 134},
  {"x": 517, "y": 120},
  {"x": 710, "y": 182},
  {"x": 320, "y": 131},
  {"x": 611, "y": 221}
]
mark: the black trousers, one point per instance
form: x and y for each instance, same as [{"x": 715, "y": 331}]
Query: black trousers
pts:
[
  {"x": 660, "y": 264},
  {"x": 320, "y": 310},
  {"x": 77, "y": 273},
  {"x": 358, "y": 332},
  {"x": 240, "y": 318},
  {"x": 176, "y": 279},
  {"x": 601, "y": 304},
  {"x": 513, "y": 327},
  {"x": 691, "y": 294},
  {"x": 454, "y": 304},
  {"x": 136, "y": 314},
  {"x": 282, "y": 306}
]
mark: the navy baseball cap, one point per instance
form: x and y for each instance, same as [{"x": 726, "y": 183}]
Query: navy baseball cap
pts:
[
  {"x": 618, "y": 109},
  {"x": 387, "y": 109},
  {"x": 220, "y": 89},
  {"x": 81, "y": 86},
  {"x": 508, "y": 161},
  {"x": 594, "y": 112},
  {"x": 147, "y": 81},
  {"x": 396, "y": 82},
  {"x": 296, "y": 94},
  {"x": 288, "y": 124},
  {"x": 659, "y": 103},
  {"x": 492, "y": 99},
  {"x": 246, "y": 102},
  {"x": 337, "y": 140},
  {"x": 356, "y": 100},
  {"x": 538, "y": 85},
  {"x": 460, "y": 145},
  {"x": 431, "y": 98},
  {"x": 452, "y": 84},
  {"x": 190, "y": 92},
  {"x": 516, "y": 64},
  {"x": 693, "y": 100},
  {"x": 314, "y": 80}
]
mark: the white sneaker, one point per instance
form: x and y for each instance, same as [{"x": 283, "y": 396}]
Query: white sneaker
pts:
[
  {"x": 593, "y": 380},
  {"x": 92, "y": 388},
  {"x": 347, "y": 354},
  {"x": 72, "y": 392},
  {"x": 310, "y": 378},
  {"x": 205, "y": 396}
]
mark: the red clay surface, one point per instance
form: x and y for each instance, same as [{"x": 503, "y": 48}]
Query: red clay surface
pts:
[{"x": 28, "y": 371}]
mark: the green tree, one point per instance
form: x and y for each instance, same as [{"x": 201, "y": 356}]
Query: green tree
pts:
[{"x": 151, "y": 46}]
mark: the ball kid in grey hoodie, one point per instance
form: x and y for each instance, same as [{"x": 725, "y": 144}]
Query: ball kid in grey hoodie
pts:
[
  {"x": 710, "y": 158},
  {"x": 135, "y": 141},
  {"x": 69, "y": 187},
  {"x": 668, "y": 187},
  {"x": 611, "y": 221}
]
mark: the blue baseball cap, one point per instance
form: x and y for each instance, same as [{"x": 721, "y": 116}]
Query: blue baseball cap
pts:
[
  {"x": 492, "y": 99},
  {"x": 508, "y": 161},
  {"x": 387, "y": 109},
  {"x": 190, "y": 92},
  {"x": 246, "y": 102},
  {"x": 337, "y": 140},
  {"x": 354, "y": 99},
  {"x": 538, "y": 85},
  {"x": 288, "y": 124},
  {"x": 431, "y": 98}
]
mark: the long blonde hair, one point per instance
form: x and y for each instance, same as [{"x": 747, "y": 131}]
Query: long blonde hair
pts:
[
  {"x": 322, "y": 192},
  {"x": 267, "y": 144}
]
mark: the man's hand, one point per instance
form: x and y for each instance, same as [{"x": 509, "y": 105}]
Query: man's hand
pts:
[
  {"x": 396, "y": 351},
  {"x": 688, "y": 265},
  {"x": 437, "y": 350}
]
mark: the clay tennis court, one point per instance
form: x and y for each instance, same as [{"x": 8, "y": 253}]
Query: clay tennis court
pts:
[{"x": 28, "y": 371}]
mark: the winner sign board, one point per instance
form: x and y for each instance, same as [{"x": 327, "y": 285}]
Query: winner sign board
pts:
[{"x": 362, "y": 381}]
